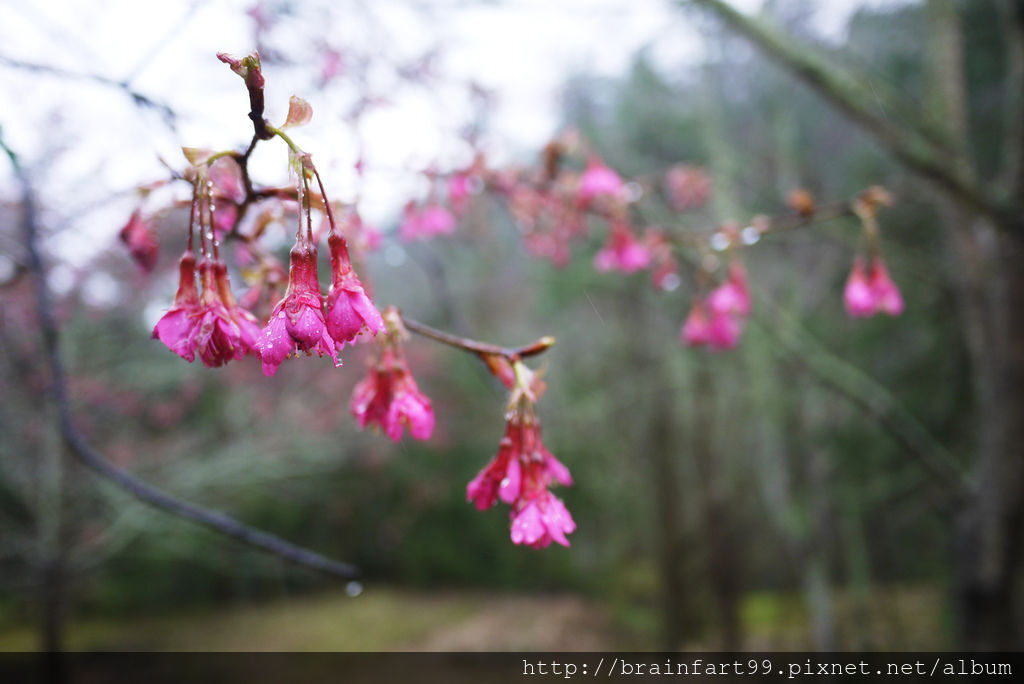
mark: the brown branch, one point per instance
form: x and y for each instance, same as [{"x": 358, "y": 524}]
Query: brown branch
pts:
[
  {"x": 908, "y": 142},
  {"x": 511, "y": 354},
  {"x": 80, "y": 448}
]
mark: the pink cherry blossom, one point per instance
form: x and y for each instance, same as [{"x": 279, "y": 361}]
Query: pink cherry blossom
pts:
[
  {"x": 732, "y": 296},
  {"x": 350, "y": 313},
  {"x": 217, "y": 338},
  {"x": 596, "y": 181},
  {"x": 139, "y": 236},
  {"x": 297, "y": 323},
  {"x": 697, "y": 328},
  {"x": 858, "y": 295},
  {"x": 623, "y": 251},
  {"x": 389, "y": 397},
  {"x": 175, "y": 328},
  {"x": 520, "y": 475},
  {"x": 541, "y": 520},
  {"x": 887, "y": 295}
]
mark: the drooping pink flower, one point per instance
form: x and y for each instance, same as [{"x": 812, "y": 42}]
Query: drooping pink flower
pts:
[
  {"x": 596, "y": 181},
  {"x": 350, "y": 313},
  {"x": 724, "y": 330},
  {"x": 175, "y": 328},
  {"x": 732, "y": 296},
  {"x": 249, "y": 328},
  {"x": 520, "y": 475},
  {"x": 389, "y": 397},
  {"x": 623, "y": 251},
  {"x": 541, "y": 520},
  {"x": 460, "y": 187},
  {"x": 425, "y": 222},
  {"x": 857, "y": 294},
  {"x": 697, "y": 328},
  {"x": 436, "y": 220},
  {"x": 297, "y": 323},
  {"x": 217, "y": 338},
  {"x": 139, "y": 236},
  {"x": 887, "y": 295},
  {"x": 688, "y": 186},
  {"x": 871, "y": 290}
]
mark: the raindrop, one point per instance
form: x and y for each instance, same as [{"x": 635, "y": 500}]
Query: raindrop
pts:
[
  {"x": 633, "y": 191},
  {"x": 354, "y": 589},
  {"x": 719, "y": 242},
  {"x": 750, "y": 235},
  {"x": 505, "y": 482},
  {"x": 670, "y": 282},
  {"x": 337, "y": 364}
]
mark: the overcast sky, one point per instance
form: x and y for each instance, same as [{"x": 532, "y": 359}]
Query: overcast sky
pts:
[{"x": 97, "y": 143}]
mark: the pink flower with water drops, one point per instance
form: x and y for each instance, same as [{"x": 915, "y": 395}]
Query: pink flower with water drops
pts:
[
  {"x": 389, "y": 398},
  {"x": 175, "y": 328},
  {"x": 297, "y": 323},
  {"x": 350, "y": 313},
  {"x": 539, "y": 521}
]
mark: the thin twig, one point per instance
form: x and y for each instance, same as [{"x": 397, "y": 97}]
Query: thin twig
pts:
[
  {"x": 168, "y": 114},
  {"x": 484, "y": 348},
  {"x": 80, "y": 448}
]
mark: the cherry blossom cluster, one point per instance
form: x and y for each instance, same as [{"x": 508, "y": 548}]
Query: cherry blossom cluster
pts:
[
  {"x": 214, "y": 326},
  {"x": 388, "y": 396},
  {"x": 206, "y": 320},
  {"x": 524, "y": 470},
  {"x": 554, "y": 205}
]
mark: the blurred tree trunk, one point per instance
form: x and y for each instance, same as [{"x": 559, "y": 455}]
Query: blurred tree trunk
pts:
[
  {"x": 51, "y": 554},
  {"x": 660, "y": 446},
  {"x": 991, "y": 296},
  {"x": 720, "y": 546},
  {"x": 987, "y": 238}
]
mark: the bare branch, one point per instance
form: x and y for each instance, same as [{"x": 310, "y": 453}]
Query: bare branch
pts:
[{"x": 137, "y": 97}]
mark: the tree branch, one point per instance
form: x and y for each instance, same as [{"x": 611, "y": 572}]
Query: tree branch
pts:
[
  {"x": 797, "y": 344},
  {"x": 80, "y": 448},
  {"x": 481, "y": 348},
  {"x": 138, "y": 98},
  {"x": 913, "y": 143}
]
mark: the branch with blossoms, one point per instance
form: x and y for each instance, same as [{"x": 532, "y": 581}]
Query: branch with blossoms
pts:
[
  {"x": 207, "y": 322},
  {"x": 558, "y": 203},
  {"x": 88, "y": 456},
  {"x": 552, "y": 206}
]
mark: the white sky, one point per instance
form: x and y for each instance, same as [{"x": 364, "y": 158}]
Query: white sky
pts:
[{"x": 97, "y": 143}]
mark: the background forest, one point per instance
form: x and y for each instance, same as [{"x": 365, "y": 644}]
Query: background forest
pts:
[{"x": 832, "y": 483}]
